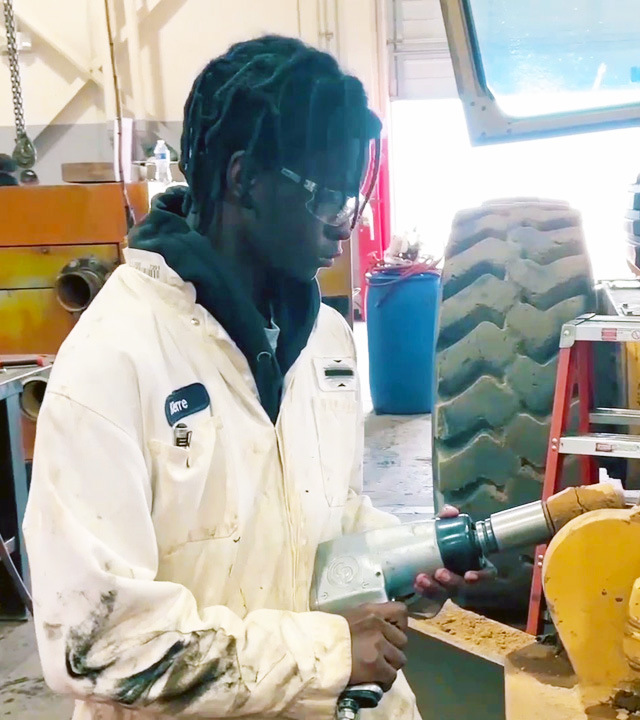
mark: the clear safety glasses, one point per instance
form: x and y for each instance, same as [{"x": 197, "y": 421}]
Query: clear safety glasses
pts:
[{"x": 331, "y": 207}]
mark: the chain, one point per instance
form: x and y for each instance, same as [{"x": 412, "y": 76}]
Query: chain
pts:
[
  {"x": 24, "y": 153},
  {"x": 12, "y": 46}
]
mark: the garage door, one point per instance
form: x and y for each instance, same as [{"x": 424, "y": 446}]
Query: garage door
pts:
[{"x": 420, "y": 60}]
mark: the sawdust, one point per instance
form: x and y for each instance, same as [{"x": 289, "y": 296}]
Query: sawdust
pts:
[
  {"x": 474, "y": 632},
  {"x": 540, "y": 683},
  {"x": 527, "y": 697},
  {"x": 572, "y": 502}
]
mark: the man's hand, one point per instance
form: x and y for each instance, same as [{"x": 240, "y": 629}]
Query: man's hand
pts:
[
  {"x": 443, "y": 583},
  {"x": 378, "y": 636}
]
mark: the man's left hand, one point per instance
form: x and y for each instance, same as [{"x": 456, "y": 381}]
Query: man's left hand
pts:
[{"x": 443, "y": 583}]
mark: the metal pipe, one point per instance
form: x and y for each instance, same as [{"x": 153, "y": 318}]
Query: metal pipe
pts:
[
  {"x": 321, "y": 36},
  {"x": 133, "y": 41},
  {"x": 79, "y": 282},
  {"x": 516, "y": 527},
  {"x": 32, "y": 395},
  {"x": 336, "y": 29},
  {"x": 383, "y": 87},
  {"x": 101, "y": 16}
]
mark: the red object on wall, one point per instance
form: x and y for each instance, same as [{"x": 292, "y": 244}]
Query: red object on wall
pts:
[
  {"x": 373, "y": 241},
  {"x": 368, "y": 250},
  {"x": 381, "y": 201}
]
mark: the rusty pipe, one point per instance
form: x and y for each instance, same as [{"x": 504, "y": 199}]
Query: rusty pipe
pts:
[
  {"x": 33, "y": 390},
  {"x": 79, "y": 282}
]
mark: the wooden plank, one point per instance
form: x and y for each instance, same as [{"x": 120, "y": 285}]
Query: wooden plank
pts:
[
  {"x": 473, "y": 633},
  {"x": 103, "y": 172},
  {"x": 450, "y": 684},
  {"x": 88, "y": 172},
  {"x": 463, "y": 665}
]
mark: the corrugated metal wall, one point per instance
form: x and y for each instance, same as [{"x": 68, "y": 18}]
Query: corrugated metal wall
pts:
[{"x": 420, "y": 63}]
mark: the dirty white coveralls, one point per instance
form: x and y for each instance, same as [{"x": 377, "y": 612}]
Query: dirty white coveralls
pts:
[{"x": 174, "y": 582}]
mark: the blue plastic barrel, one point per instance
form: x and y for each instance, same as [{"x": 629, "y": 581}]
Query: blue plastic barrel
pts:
[{"x": 401, "y": 328}]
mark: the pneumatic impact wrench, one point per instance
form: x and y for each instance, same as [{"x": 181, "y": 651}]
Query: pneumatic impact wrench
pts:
[{"x": 381, "y": 565}]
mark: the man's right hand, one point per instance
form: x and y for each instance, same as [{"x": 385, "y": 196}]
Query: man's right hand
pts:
[{"x": 378, "y": 636}]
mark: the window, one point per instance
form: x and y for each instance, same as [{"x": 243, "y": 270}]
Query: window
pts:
[{"x": 544, "y": 56}]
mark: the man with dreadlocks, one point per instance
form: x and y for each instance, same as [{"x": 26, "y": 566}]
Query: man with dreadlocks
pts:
[{"x": 194, "y": 446}]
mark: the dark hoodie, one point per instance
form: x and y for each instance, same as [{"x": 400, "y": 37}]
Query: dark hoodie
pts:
[{"x": 295, "y": 304}]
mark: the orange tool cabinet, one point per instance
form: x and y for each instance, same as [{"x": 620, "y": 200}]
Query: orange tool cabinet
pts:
[
  {"x": 47, "y": 233},
  {"x": 42, "y": 232}
]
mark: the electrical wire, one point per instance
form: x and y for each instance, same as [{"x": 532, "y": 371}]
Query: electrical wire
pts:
[
  {"x": 399, "y": 273},
  {"x": 128, "y": 209}
]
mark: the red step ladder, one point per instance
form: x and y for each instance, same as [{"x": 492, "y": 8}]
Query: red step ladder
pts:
[{"x": 575, "y": 369}]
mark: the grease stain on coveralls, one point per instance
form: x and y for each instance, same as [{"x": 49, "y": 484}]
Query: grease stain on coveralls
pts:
[
  {"x": 82, "y": 638},
  {"x": 184, "y": 666}
]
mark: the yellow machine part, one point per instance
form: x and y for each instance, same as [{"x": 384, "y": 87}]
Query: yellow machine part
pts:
[
  {"x": 589, "y": 573},
  {"x": 336, "y": 285},
  {"x": 33, "y": 321},
  {"x": 631, "y": 374},
  {"x": 336, "y": 281},
  {"x": 632, "y": 369}
]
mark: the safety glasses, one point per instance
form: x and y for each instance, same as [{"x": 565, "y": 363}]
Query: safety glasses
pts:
[{"x": 331, "y": 207}]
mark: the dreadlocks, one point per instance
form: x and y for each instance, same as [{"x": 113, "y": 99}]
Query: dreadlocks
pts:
[{"x": 281, "y": 102}]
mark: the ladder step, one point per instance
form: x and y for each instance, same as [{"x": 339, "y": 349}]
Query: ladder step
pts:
[
  {"x": 603, "y": 444},
  {"x": 632, "y": 497},
  {"x": 614, "y": 416},
  {"x": 601, "y": 328}
]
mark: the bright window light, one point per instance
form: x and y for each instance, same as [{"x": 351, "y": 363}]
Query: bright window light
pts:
[{"x": 436, "y": 172}]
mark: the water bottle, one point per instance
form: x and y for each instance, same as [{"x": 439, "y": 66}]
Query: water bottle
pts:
[{"x": 163, "y": 163}]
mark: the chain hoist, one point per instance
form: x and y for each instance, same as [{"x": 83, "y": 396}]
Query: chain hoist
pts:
[{"x": 24, "y": 152}]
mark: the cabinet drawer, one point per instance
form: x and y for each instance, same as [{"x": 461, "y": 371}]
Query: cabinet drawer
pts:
[
  {"x": 32, "y": 321},
  {"x": 39, "y": 266},
  {"x": 336, "y": 281}
]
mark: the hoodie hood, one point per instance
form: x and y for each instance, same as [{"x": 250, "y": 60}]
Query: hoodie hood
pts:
[{"x": 295, "y": 304}]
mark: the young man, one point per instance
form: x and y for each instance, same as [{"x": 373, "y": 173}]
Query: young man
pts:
[{"x": 192, "y": 450}]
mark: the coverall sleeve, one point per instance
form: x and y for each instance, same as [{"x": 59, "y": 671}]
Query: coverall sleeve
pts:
[{"x": 109, "y": 631}]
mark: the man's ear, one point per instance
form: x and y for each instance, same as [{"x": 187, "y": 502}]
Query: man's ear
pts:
[{"x": 235, "y": 180}]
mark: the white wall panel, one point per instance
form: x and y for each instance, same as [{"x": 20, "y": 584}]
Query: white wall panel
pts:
[{"x": 176, "y": 39}]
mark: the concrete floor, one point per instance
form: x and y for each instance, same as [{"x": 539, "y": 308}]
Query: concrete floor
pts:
[{"x": 397, "y": 476}]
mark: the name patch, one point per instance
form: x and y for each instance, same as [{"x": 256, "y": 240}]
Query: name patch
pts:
[
  {"x": 336, "y": 374},
  {"x": 186, "y": 401}
]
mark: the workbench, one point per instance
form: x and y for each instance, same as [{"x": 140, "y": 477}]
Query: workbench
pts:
[{"x": 13, "y": 481}]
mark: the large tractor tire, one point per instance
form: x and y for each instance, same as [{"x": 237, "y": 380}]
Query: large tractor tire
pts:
[{"x": 514, "y": 272}]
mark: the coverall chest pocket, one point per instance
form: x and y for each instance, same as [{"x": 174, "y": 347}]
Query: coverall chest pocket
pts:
[
  {"x": 194, "y": 497},
  {"x": 337, "y": 426}
]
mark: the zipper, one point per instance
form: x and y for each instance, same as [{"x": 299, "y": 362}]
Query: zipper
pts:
[{"x": 292, "y": 539}]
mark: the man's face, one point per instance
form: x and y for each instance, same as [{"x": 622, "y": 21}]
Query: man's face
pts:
[{"x": 289, "y": 238}]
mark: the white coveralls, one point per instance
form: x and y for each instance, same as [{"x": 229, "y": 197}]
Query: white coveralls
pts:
[{"x": 170, "y": 581}]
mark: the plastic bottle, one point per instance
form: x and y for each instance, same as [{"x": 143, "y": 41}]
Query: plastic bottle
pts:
[{"x": 163, "y": 163}]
